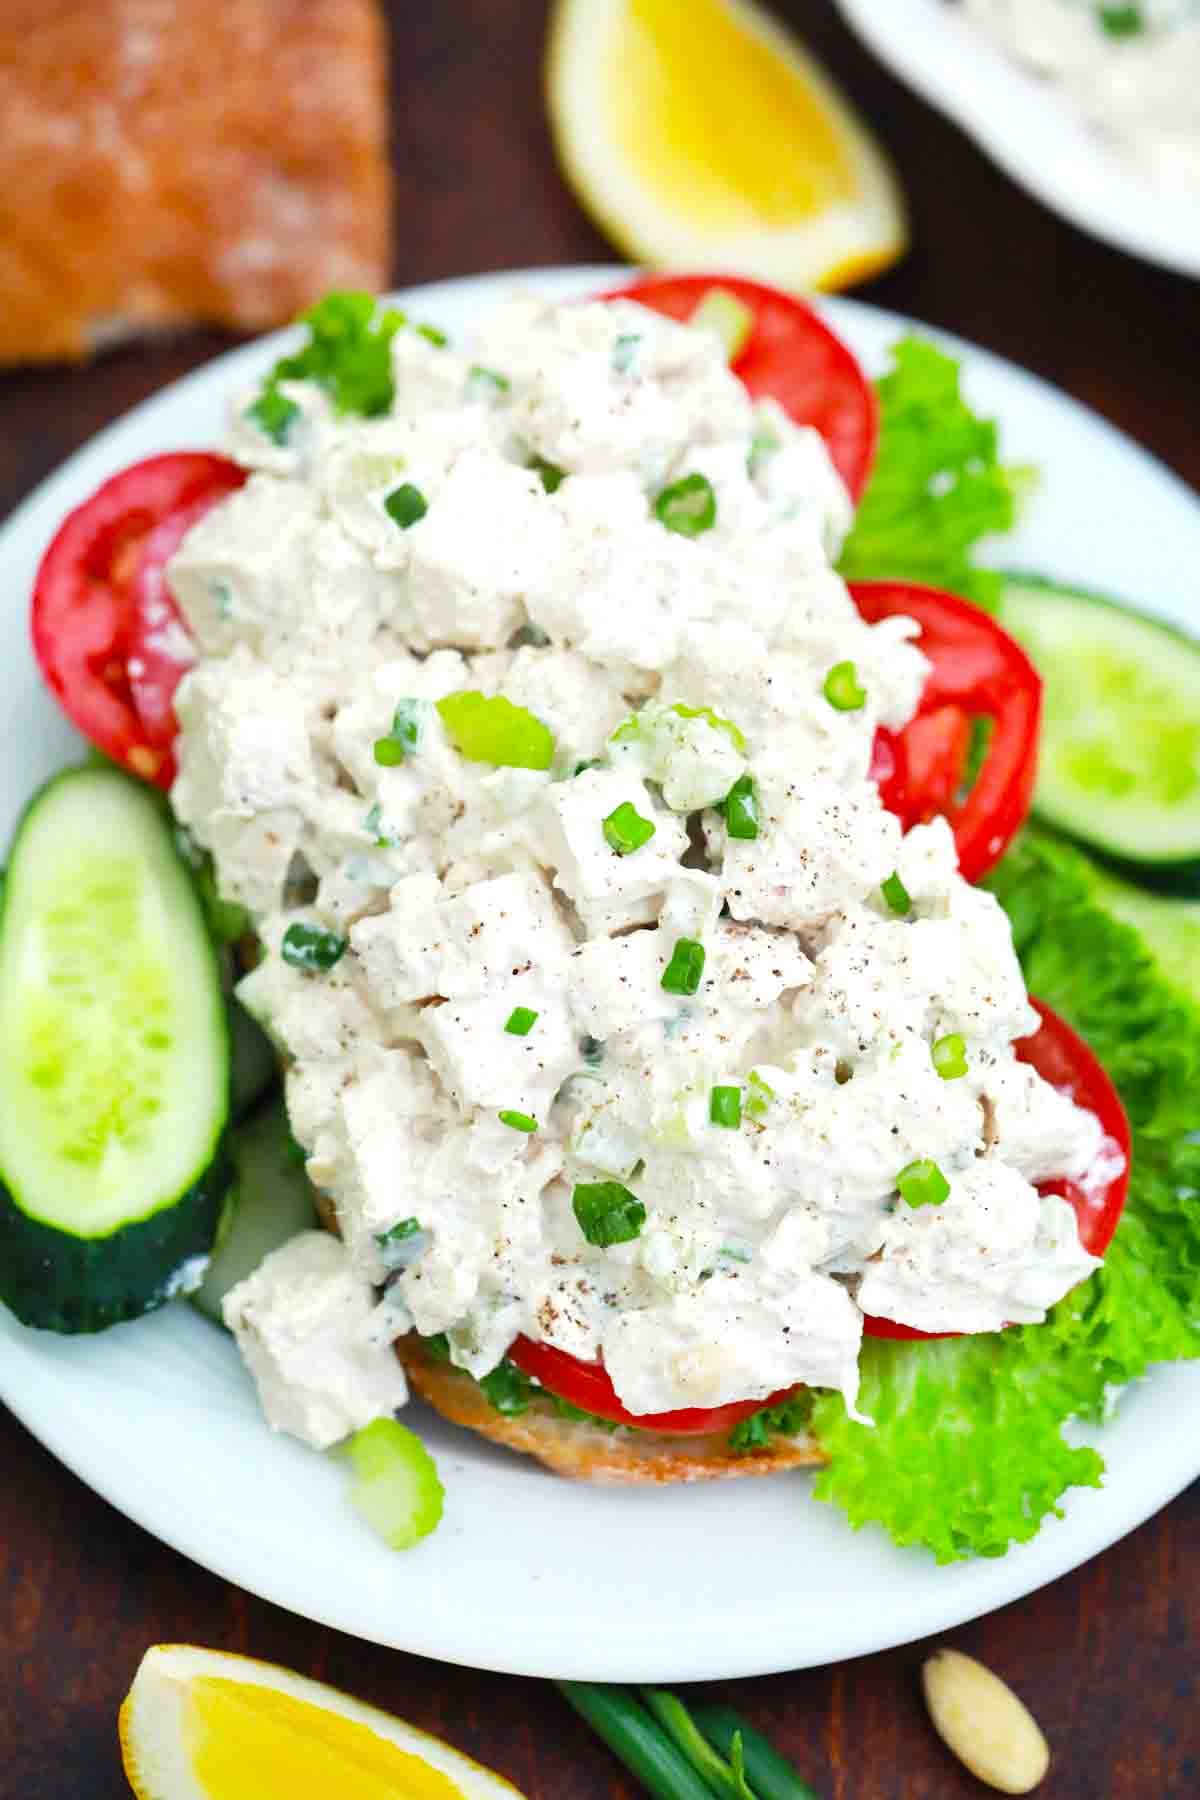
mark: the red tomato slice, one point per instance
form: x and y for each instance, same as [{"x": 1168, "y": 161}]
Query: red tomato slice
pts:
[
  {"x": 106, "y": 632},
  {"x": 586, "y": 1385},
  {"x": 978, "y": 671},
  {"x": 791, "y": 357},
  {"x": 1064, "y": 1059}
]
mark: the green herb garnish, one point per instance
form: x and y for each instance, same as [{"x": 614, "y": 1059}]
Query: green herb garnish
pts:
[
  {"x": 405, "y": 505},
  {"x": 521, "y": 1021},
  {"x": 896, "y": 894},
  {"x": 518, "y": 1121},
  {"x": 921, "y": 1183},
  {"x": 404, "y": 738},
  {"x": 396, "y": 1234},
  {"x": 310, "y": 948},
  {"x": 842, "y": 688},
  {"x": 348, "y": 353},
  {"x": 685, "y": 970},
  {"x": 552, "y": 477},
  {"x": 625, "y": 830},
  {"x": 1121, "y": 21},
  {"x": 274, "y": 414},
  {"x": 688, "y": 507},
  {"x": 740, "y": 808},
  {"x": 725, "y": 1107},
  {"x": 607, "y": 1212}
]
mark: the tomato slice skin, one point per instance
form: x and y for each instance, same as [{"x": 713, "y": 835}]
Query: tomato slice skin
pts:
[
  {"x": 977, "y": 670},
  {"x": 101, "y": 645},
  {"x": 587, "y": 1385},
  {"x": 1063, "y": 1058},
  {"x": 790, "y": 356}
]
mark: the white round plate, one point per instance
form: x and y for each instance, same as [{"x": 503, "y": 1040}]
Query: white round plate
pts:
[
  {"x": 529, "y": 1573},
  {"x": 1027, "y": 127}
]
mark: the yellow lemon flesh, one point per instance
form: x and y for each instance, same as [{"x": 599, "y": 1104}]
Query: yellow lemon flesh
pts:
[
  {"x": 701, "y": 134},
  {"x": 206, "y": 1725},
  {"x": 246, "y": 1742}
]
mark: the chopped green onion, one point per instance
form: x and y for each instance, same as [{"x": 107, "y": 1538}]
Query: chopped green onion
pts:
[
  {"x": 405, "y": 505},
  {"x": 740, "y": 807},
  {"x": 493, "y": 730},
  {"x": 405, "y": 736},
  {"x": 679, "y": 1726},
  {"x": 396, "y": 1486},
  {"x": 437, "y": 1346},
  {"x": 624, "y": 352},
  {"x": 770, "y": 1775},
  {"x": 308, "y": 947},
  {"x": 729, "y": 318},
  {"x": 521, "y": 1021},
  {"x": 1122, "y": 21},
  {"x": 688, "y": 506},
  {"x": 842, "y": 689},
  {"x": 683, "y": 973},
  {"x": 896, "y": 894},
  {"x": 625, "y": 830},
  {"x": 396, "y": 1234},
  {"x": 921, "y": 1183},
  {"x": 760, "y": 1096},
  {"x": 607, "y": 1212},
  {"x": 519, "y": 1121},
  {"x": 581, "y": 768},
  {"x": 348, "y": 353},
  {"x": 725, "y": 1107},
  {"x": 950, "y": 1056},
  {"x": 274, "y": 414},
  {"x": 552, "y": 477},
  {"x": 485, "y": 384},
  {"x": 508, "y": 1389},
  {"x": 592, "y": 1051},
  {"x": 433, "y": 335},
  {"x": 633, "y": 1736},
  {"x": 726, "y": 726}
]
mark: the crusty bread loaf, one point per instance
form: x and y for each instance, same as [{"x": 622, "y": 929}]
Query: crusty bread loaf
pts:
[
  {"x": 588, "y": 1452},
  {"x": 167, "y": 161}
]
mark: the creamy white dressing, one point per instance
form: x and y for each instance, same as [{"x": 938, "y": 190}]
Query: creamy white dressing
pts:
[
  {"x": 1130, "y": 71},
  {"x": 466, "y": 891}
]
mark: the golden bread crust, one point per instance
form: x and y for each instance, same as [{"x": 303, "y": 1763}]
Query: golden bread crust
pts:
[
  {"x": 164, "y": 162},
  {"x": 587, "y": 1452}
]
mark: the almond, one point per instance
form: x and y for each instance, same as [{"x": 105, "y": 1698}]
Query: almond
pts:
[{"x": 981, "y": 1720}]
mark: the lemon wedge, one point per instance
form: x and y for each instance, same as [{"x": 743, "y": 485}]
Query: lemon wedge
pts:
[
  {"x": 699, "y": 134},
  {"x": 205, "y": 1725}
]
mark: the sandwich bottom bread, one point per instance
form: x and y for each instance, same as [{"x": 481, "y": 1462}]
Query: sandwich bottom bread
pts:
[
  {"x": 582, "y": 1448},
  {"x": 587, "y": 1450}
]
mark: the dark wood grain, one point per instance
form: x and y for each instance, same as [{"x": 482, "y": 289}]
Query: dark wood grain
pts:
[{"x": 1107, "y": 1656}]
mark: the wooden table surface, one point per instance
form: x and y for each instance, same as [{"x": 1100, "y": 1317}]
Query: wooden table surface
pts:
[{"x": 1107, "y": 1656}]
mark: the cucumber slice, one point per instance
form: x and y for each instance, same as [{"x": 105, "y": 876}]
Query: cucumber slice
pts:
[
  {"x": 1169, "y": 927},
  {"x": 270, "y": 1202},
  {"x": 114, "y": 1061},
  {"x": 1120, "y": 753}
]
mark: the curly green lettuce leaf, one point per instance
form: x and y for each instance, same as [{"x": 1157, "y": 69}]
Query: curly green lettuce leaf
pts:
[
  {"x": 967, "y": 1454},
  {"x": 938, "y": 485}
]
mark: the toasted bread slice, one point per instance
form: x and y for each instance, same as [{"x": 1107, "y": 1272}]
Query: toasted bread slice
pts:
[
  {"x": 164, "y": 164},
  {"x": 588, "y": 1452}
]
